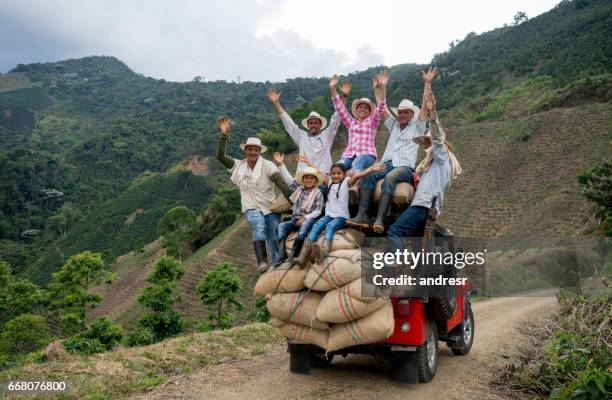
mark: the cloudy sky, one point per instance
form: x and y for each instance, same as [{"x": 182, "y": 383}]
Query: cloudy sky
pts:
[{"x": 255, "y": 39}]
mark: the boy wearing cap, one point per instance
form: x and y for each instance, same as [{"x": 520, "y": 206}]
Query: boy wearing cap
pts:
[
  {"x": 315, "y": 143},
  {"x": 399, "y": 157},
  {"x": 256, "y": 177},
  {"x": 308, "y": 203}
]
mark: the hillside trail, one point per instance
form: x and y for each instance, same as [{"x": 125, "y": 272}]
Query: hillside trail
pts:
[{"x": 267, "y": 376}]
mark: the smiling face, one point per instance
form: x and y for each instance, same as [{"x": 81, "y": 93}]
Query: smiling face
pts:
[
  {"x": 363, "y": 111},
  {"x": 404, "y": 116},
  {"x": 252, "y": 153},
  {"x": 309, "y": 181},
  {"x": 314, "y": 125},
  {"x": 337, "y": 174}
]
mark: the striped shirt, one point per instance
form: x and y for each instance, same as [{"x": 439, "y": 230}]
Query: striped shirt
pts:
[
  {"x": 401, "y": 150},
  {"x": 361, "y": 135}
]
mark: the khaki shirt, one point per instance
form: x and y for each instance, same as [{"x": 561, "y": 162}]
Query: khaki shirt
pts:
[{"x": 258, "y": 195}]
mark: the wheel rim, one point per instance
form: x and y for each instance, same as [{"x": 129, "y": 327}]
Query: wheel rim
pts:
[
  {"x": 431, "y": 349},
  {"x": 467, "y": 329}
]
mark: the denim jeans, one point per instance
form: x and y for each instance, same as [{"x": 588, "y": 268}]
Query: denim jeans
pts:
[
  {"x": 392, "y": 176},
  {"x": 290, "y": 226},
  {"x": 358, "y": 163},
  {"x": 410, "y": 224},
  {"x": 264, "y": 227},
  {"x": 330, "y": 224}
]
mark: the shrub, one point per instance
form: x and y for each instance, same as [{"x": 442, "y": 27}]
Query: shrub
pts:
[
  {"x": 106, "y": 331},
  {"x": 24, "y": 334},
  {"x": 142, "y": 336},
  {"x": 79, "y": 344}
]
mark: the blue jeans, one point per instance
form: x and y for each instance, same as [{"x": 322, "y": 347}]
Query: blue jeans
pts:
[
  {"x": 264, "y": 227},
  {"x": 358, "y": 163},
  {"x": 392, "y": 176},
  {"x": 290, "y": 226},
  {"x": 330, "y": 224},
  {"x": 410, "y": 224}
]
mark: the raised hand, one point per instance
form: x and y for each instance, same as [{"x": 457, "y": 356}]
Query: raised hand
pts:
[
  {"x": 383, "y": 78},
  {"x": 302, "y": 158},
  {"x": 333, "y": 82},
  {"x": 279, "y": 158},
  {"x": 345, "y": 89},
  {"x": 375, "y": 82},
  {"x": 273, "y": 95},
  {"x": 430, "y": 75},
  {"x": 224, "y": 124}
]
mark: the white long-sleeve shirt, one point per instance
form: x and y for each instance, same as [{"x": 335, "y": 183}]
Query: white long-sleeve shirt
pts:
[{"x": 317, "y": 148}]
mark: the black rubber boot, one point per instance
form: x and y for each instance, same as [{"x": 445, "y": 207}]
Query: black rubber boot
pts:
[
  {"x": 295, "y": 251},
  {"x": 361, "y": 219},
  {"x": 383, "y": 209},
  {"x": 282, "y": 253},
  {"x": 304, "y": 255},
  {"x": 261, "y": 255}
]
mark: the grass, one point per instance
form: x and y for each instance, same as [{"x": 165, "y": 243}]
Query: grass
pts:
[{"x": 126, "y": 371}]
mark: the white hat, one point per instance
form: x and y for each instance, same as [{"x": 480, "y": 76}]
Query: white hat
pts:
[
  {"x": 363, "y": 100},
  {"x": 422, "y": 139},
  {"x": 309, "y": 171},
  {"x": 314, "y": 114},
  {"x": 406, "y": 104},
  {"x": 253, "y": 141}
]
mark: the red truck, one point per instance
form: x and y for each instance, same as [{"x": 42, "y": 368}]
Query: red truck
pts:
[{"x": 419, "y": 325}]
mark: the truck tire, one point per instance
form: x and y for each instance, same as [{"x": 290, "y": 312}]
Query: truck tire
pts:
[
  {"x": 466, "y": 331},
  {"x": 427, "y": 354},
  {"x": 442, "y": 308},
  {"x": 318, "y": 357},
  {"x": 299, "y": 358}
]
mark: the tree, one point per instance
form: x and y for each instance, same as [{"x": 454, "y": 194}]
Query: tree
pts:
[
  {"x": 17, "y": 295},
  {"x": 69, "y": 290},
  {"x": 162, "y": 321},
  {"x": 177, "y": 228},
  {"x": 519, "y": 18},
  {"x": 24, "y": 334},
  {"x": 102, "y": 335},
  {"x": 64, "y": 219},
  {"x": 597, "y": 183},
  {"x": 221, "y": 211},
  {"x": 219, "y": 290}
]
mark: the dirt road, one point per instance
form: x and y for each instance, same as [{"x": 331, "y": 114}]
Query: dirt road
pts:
[{"x": 364, "y": 377}]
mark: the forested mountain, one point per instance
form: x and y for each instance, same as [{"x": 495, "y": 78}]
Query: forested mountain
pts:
[{"x": 87, "y": 143}]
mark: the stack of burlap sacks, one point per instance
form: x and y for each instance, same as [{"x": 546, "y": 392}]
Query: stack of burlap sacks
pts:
[{"x": 322, "y": 303}]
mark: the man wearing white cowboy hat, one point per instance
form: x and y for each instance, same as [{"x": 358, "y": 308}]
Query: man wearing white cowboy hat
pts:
[
  {"x": 316, "y": 142},
  {"x": 256, "y": 177},
  {"x": 399, "y": 157},
  {"x": 308, "y": 203},
  {"x": 437, "y": 170}
]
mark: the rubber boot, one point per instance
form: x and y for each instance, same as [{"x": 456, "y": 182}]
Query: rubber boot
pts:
[
  {"x": 281, "y": 253},
  {"x": 295, "y": 252},
  {"x": 383, "y": 209},
  {"x": 261, "y": 255},
  {"x": 361, "y": 219},
  {"x": 324, "y": 250},
  {"x": 304, "y": 254}
]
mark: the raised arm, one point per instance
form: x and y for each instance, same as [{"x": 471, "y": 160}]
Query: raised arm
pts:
[
  {"x": 274, "y": 98},
  {"x": 380, "y": 92},
  {"x": 224, "y": 123},
  {"x": 377, "y": 167},
  {"x": 339, "y": 105},
  {"x": 378, "y": 97},
  {"x": 438, "y": 136},
  {"x": 305, "y": 160},
  {"x": 428, "y": 77}
]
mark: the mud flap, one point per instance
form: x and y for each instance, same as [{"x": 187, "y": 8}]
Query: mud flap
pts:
[
  {"x": 404, "y": 367},
  {"x": 299, "y": 358}
]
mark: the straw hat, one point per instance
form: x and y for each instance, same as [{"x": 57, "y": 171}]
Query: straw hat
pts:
[
  {"x": 314, "y": 114},
  {"x": 406, "y": 104},
  {"x": 363, "y": 100},
  {"x": 309, "y": 171},
  {"x": 421, "y": 140},
  {"x": 253, "y": 141}
]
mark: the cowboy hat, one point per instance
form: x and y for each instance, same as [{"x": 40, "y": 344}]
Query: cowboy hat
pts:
[
  {"x": 406, "y": 104},
  {"x": 309, "y": 171},
  {"x": 253, "y": 141},
  {"x": 420, "y": 140},
  {"x": 363, "y": 100},
  {"x": 314, "y": 114}
]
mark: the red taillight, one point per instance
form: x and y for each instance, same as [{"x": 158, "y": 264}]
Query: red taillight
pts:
[{"x": 403, "y": 307}]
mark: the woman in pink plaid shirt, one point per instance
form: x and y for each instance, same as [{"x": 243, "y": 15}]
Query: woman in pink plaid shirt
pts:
[{"x": 360, "y": 151}]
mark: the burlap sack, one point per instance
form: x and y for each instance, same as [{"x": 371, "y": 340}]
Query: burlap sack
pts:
[
  {"x": 299, "y": 308},
  {"x": 276, "y": 322},
  {"x": 279, "y": 280},
  {"x": 339, "y": 268},
  {"x": 281, "y": 205},
  {"x": 338, "y": 307},
  {"x": 404, "y": 192},
  {"x": 301, "y": 333},
  {"x": 372, "y": 328},
  {"x": 289, "y": 242},
  {"x": 354, "y": 289},
  {"x": 344, "y": 239}
]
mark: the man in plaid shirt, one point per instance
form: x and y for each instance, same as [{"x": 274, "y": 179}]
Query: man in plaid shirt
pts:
[{"x": 360, "y": 151}]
